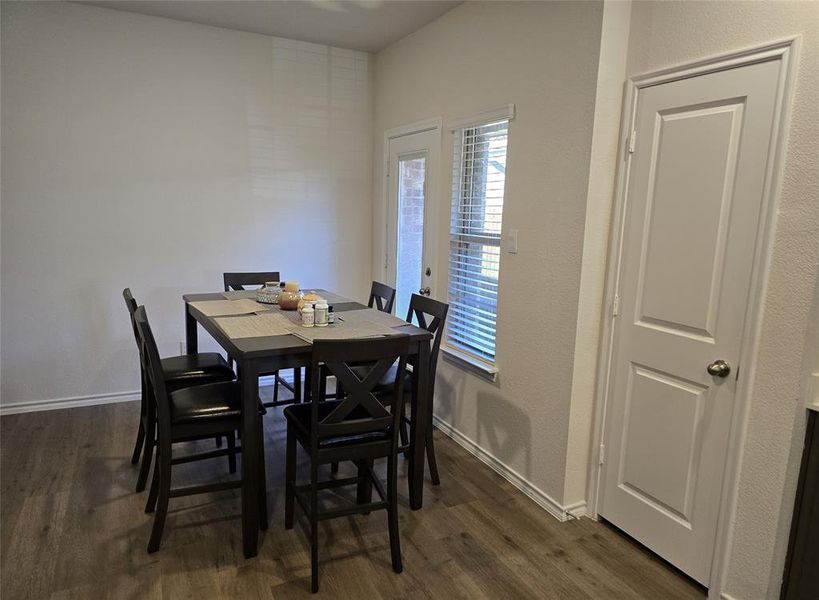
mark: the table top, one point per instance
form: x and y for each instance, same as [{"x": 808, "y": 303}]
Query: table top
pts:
[{"x": 274, "y": 345}]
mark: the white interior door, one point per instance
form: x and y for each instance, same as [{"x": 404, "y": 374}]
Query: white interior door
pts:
[
  {"x": 692, "y": 212},
  {"x": 410, "y": 260}
]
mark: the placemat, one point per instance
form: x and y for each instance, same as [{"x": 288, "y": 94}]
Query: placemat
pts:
[
  {"x": 370, "y": 315},
  {"x": 221, "y": 308},
  {"x": 239, "y": 294},
  {"x": 260, "y": 325}
]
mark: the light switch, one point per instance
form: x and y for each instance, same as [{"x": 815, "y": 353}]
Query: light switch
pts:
[{"x": 512, "y": 241}]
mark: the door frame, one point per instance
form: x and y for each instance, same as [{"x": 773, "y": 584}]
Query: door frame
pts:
[
  {"x": 431, "y": 184},
  {"x": 785, "y": 51}
]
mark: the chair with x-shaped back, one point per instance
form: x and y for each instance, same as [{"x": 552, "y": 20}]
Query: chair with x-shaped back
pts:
[{"x": 360, "y": 428}]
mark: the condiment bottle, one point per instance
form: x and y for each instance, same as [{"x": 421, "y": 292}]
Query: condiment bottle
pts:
[
  {"x": 321, "y": 314},
  {"x": 307, "y": 316},
  {"x": 331, "y": 316}
]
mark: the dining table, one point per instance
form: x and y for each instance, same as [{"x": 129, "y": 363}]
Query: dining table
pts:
[{"x": 265, "y": 354}]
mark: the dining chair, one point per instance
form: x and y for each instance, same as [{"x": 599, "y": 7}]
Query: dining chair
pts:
[
  {"x": 382, "y": 297},
  {"x": 430, "y": 315},
  {"x": 358, "y": 428},
  {"x": 188, "y": 414},
  {"x": 237, "y": 282},
  {"x": 179, "y": 371}
]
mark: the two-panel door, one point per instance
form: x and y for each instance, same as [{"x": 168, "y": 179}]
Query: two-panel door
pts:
[{"x": 692, "y": 214}]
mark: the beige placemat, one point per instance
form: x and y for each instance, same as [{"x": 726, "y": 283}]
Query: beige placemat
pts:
[
  {"x": 342, "y": 331},
  {"x": 239, "y": 294},
  {"x": 221, "y": 308},
  {"x": 370, "y": 315},
  {"x": 331, "y": 297},
  {"x": 260, "y": 325}
]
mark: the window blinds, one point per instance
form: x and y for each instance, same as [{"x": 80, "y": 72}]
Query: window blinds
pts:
[{"x": 478, "y": 178}]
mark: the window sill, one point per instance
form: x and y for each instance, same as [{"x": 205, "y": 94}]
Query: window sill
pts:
[{"x": 468, "y": 362}]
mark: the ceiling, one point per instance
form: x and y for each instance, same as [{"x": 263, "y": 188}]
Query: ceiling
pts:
[{"x": 368, "y": 25}]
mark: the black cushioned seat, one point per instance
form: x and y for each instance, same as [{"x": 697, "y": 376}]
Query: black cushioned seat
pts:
[
  {"x": 211, "y": 401},
  {"x": 299, "y": 416},
  {"x": 203, "y": 367}
]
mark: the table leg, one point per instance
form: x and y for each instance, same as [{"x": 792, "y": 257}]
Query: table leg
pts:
[
  {"x": 191, "y": 337},
  {"x": 250, "y": 459},
  {"x": 419, "y": 417}
]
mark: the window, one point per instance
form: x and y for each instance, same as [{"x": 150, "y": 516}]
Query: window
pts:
[{"x": 478, "y": 178}]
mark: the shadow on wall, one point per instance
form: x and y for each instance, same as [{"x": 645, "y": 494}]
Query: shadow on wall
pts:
[{"x": 500, "y": 428}]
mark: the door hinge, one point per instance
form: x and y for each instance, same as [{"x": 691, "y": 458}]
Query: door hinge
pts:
[
  {"x": 632, "y": 140},
  {"x": 615, "y": 305},
  {"x": 602, "y": 454}
]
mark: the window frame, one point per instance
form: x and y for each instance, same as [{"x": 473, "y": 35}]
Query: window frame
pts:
[{"x": 454, "y": 351}]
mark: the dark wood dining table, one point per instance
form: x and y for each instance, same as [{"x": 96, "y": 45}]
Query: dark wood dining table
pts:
[{"x": 255, "y": 356}]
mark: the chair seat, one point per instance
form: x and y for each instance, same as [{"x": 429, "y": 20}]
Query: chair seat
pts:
[
  {"x": 387, "y": 380},
  {"x": 208, "y": 366},
  {"x": 207, "y": 402},
  {"x": 298, "y": 415}
]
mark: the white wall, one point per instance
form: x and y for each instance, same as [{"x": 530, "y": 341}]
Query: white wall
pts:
[
  {"x": 611, "y": 74},
  {"x": 666, "y": 33},
  {"x": 156, "y": 154},
  {"x": 543, "y": 57}
]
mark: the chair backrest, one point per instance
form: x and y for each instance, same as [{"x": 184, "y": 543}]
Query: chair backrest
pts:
[
  {"x": 360, "y": 412},
  {"x": 431, "y": 315},
  {"x": 152, "y": 367},
  {"x": 382, "y": 297},
  {"x": 238, "y": 281},
  {"x": 131, "y": 304}
]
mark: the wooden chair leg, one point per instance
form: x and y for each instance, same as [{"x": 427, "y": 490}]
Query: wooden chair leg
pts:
[
  {"x": 276, "y": 381},
  {"x": 433, "y": 464},
  {"x": 392, "y": 512},
  {"x": 262, "y": 480},
  {"x": 218, "y": 439},
  {"x": 364, "y": 491},
  {"x": 147, "y": 456},
  {"x": 297, "y": 396},
  {"x": 290, "y": 479},
  {"x": 143, "y": 417},
  {"x": 231, "y": 444},
  {"x": 314, "y": 526},
  {"x": 138, "y": 444},
  {"x": 403, "y": 431},
  {"x": 164, "y": 464},
  {"x": 334, "y": 467},
  {"x": 150, "y": 504}
]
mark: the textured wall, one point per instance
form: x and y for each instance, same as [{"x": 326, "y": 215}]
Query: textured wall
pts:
[
  {"x": 541, "y": 56},
  {"x": 156, "y": 154},
  {"x": 666, "y": 33}
]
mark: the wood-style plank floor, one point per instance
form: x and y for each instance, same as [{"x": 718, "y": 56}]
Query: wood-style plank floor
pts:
[{"x": 71, "y": 526}]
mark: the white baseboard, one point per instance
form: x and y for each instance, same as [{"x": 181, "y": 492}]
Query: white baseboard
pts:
[
  {"x": 576, "y": 509},
  {"x": 72, "y": 402},
  {"x": 541, "y": 498}
]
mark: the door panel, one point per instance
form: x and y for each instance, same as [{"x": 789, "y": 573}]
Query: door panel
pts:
[
  {"x": 687, "y": 218},
  {"x": 692, "y": 210}
]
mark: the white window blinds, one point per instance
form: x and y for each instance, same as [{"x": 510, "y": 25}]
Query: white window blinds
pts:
[{"x": 478, "y": 178}]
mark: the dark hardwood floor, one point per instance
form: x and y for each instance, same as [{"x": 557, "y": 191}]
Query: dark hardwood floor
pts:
[{"x": 72, "y": 527}]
